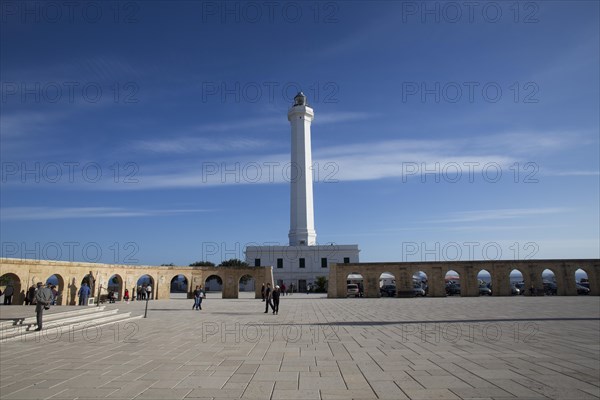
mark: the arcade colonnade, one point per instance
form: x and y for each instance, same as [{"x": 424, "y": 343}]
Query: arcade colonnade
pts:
[
  {"x": 23, "y": 273},
  {"x": 564, "y": 272}
]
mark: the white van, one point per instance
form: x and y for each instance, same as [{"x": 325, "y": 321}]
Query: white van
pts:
[{"x": 352, "y": 290}]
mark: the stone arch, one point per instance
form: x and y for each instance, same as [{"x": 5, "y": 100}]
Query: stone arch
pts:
[
  {"x": 247, "y": 283},
  {"x": 518, "y": 282},
  {"x": 387, "y": 284},
  {"x": 179, "y": 286},
  {"x": 421, "y": 281},
  {"x": 115, "y": 283},
  {"x": 358, "y": 279},
  {"x": 582, "y": 281},
  {"x": 484, "y": 282},
  {"x": 142, "y": 282},
  {"x": 452, "y": 279},
  {"x": 59, "y": 282},
  {"x": 550, "y": 282},
  {"x": 89, "y": 280},
  {"x": 12, "y": 280},
  {"x": 214, "y": 283}
]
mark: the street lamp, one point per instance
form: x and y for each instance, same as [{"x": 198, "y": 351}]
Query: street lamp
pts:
[{"x": 147, "y": 299}]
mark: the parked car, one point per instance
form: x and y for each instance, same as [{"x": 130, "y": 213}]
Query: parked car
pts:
[
  {"x": 388, "y": 290},
  {"x": 452, "y": 288},
  {"x": 514, "y": 290},
  {"x": 418, "y": 291},
  {"x": 484, "y": 290},
  {"x": 352, "y": 290},
  {"x": 521, "y": 287},
  {"x": 582, "y": 289},
  {"x": 550, "y": 288}
]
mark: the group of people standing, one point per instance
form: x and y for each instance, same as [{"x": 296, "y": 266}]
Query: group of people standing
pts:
[
  {"x": 144, "y": 292},
  {"x": 30, "y": 296},
  {"x": 199, "y": 294}
]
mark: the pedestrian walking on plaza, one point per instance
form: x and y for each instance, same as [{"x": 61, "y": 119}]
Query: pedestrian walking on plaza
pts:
[
  {"x": 262, "y": 292},
  {"x": 8, "y": 294},
  {"x": 268, "y": 298},
  {"x": 149, "y": 292},
  {"x": 43, "y": 298},
  {"x": 84, "y": 294},
  {"x": 139, "y": 292},
  {"x": 30, "y": 295},
  {"x": 275, "y": 296},
  {"x": 126, "y": 296},
  {"x": 283, "y": 289},
  {"x": 198, "y": 294}
]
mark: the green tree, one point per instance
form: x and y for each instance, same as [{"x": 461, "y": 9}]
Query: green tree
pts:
[
  {"x": 234, "y": 262},
  {"x": 321, "y": 284},
  {"x": 167, "y": 265},
  {"x": 202, "y": 264}
]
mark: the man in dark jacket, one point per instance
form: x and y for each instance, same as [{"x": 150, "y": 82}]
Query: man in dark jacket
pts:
[
  {"x": 43, "y": 298},
  {"x": 275, "y": 296},
  {"x": 268, "y": 298},
  {"x": 29, "y": 297}
]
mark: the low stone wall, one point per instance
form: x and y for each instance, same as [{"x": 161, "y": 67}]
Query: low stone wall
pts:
[
  {"x": 564, "y": 272},
  {"x": 23, "y": 273}
]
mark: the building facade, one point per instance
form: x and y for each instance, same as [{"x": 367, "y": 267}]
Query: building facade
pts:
[{"x": 300, "y": 266}]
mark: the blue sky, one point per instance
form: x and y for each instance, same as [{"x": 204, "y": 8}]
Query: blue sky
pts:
[{"x": 156, "y": 132}]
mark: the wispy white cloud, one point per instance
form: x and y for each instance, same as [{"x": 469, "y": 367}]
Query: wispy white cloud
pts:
[
  {"x": 46, "y": 213},
  {"x": 21, "y": 124},
  {"x": 235, "y": 161},
  {"x": 198, "y": 144},
  {"x": 500, "y": 214},
  {"x": 191, "y": 141},
  {"x": 573, "y": 173}
]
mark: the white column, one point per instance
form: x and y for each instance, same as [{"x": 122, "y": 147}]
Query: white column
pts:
[{"x": 302, "y": 226}]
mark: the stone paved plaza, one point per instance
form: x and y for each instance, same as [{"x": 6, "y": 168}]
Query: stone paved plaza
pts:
[{"x": 318, "y": 348}]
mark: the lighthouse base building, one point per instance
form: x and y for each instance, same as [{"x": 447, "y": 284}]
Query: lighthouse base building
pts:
[{"x": 300, "y": 265}]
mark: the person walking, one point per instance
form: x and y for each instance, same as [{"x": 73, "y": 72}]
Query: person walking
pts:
[
  {"x": 262, "y": 292},
  {"x": 126, "y": 296},
  {"x": 149, "y": 292},
  {"x": 8, "y": 294},
  {"x": 283, "y": 289},
  {"x": 43, "y": 298},
  {"x": 268, "y": 297},
  {"x": 275, "y": 296},
  {"x": 84, "y": 294},
  {"x": 198, "y": 298}
]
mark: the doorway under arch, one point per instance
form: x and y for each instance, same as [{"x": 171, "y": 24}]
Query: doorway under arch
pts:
[{"x": 59, "y": 283}]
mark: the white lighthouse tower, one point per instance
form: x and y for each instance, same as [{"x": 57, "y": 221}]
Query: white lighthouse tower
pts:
[
  {"x": 303, "y": 261},
  {"x": 302, "y": 224}
]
